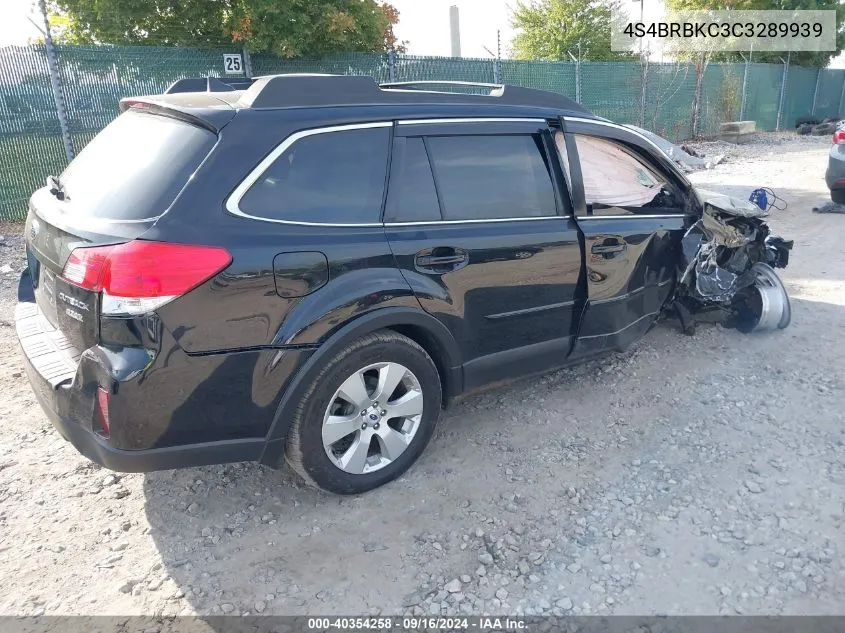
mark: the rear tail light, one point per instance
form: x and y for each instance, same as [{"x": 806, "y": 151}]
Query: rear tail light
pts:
[
  {"x": 101, "y": 412},
  {"x": 140, "y": 276},
  {"x": 839, "y": 137}
]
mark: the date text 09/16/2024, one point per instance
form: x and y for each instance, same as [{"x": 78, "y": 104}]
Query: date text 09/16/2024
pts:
[{"x": 416, "y": 623}]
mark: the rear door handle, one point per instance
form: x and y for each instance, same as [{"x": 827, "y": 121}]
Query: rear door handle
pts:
[
  {"x": 431, "y": 260},
  {"x": 441, "y": 259},
  {"x": 599, "y": 249}
]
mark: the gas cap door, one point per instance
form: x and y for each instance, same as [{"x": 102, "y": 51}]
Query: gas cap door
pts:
[{"x": 299, "y": 274}]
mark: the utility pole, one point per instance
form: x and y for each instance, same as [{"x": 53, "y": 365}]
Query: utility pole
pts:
[
  {"x": 816, "y": 93},
  {"x": 497, "y": 58},
  {"x": 745, "y": 83},
  {"x": 841, "y": 98},
  {"x": 497, "y": 65},
  {"x": 455, "y": 30},
  {"x": 783, "y": 87},
  {"x": 391, "y": 64},
  {"x": 642, "y": 20},
  {"x": 577, "y": 61},
  {"x": 644, "y": 88},
  {"x": 55, "y": 83}
]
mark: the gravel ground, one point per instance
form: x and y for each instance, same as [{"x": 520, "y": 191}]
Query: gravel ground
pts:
[{"x": 689, "y": 475}]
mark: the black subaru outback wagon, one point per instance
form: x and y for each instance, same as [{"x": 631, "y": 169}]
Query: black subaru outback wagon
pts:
[{"x": 313, "y": 266}]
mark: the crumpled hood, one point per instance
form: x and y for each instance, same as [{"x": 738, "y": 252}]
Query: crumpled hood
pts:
[{"x": 730, "y": 205}]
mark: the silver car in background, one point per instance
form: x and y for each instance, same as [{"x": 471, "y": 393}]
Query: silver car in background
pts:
[{"x": 835, "y": 175}]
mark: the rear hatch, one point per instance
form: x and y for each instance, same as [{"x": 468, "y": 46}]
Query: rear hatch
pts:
[{"x": 111, "y": 193}]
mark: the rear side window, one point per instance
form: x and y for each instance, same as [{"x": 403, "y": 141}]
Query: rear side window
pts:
[
  {"x": 135, "y": 167},
  {"x": 412, "y": 196},
  {"x": 491, "y": 177},
  {"x": 332, "y": 177}
]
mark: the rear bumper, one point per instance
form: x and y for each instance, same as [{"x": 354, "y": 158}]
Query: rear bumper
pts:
[
  {"x": 97, "y": 450},
  {"x": 51, "y": 367}
]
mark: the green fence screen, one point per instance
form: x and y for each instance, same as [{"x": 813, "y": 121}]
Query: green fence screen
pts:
[{"x": 659, "y": 97}]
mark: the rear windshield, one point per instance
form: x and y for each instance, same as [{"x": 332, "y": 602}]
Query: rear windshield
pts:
[{"x": 135, "y": 167}]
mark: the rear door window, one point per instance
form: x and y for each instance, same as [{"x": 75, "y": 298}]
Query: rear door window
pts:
[
  {"x": 332, "y": 177},
  {"x": 135, "y": 167},
  {"x": 492, "y": 177},
  {"x": 412, "y": 196}
]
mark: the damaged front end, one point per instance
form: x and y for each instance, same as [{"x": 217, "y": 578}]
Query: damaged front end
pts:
[{"x": 727, "y": 271}]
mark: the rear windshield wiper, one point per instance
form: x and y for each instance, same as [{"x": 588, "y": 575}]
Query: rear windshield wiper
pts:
[{"x": 56, "y": 187}]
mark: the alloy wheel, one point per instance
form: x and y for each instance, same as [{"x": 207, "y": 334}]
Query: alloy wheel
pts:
[{"x": 372, "y": 417}]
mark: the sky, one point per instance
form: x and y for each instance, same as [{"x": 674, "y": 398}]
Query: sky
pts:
[
  {"x": 14, "y": 27},
  {"x": 425, "y": 24}
]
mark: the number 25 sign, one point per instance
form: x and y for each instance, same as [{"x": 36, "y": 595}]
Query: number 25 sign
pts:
[{"x": 233, "y": 64}]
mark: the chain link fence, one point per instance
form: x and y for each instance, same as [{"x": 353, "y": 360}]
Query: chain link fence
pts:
[{"x": 657, "y": 96}]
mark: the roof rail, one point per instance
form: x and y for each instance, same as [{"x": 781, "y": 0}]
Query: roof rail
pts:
[
  {"x": 286, "y": 91},
  {"x": 428, "y": 83},
  {"x": 207, "y": 84}
]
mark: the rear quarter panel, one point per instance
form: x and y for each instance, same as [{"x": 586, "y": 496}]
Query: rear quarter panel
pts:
[{"x": 240, "y": 308}]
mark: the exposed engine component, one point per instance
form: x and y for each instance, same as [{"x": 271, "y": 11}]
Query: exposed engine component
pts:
[{"x": 727, "y": 269}]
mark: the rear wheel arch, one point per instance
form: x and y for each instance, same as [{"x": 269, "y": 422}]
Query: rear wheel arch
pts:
[
  {"x": 439, "y": 352},
  {"x": 421, "y": 327}
]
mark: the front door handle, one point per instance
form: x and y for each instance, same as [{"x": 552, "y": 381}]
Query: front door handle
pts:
[
  {"x": 601, "y": 249},
  {"x": 441, "y": 259}
]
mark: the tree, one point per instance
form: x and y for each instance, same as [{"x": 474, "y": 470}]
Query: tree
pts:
[
  {"x": 391, "y": 42},
  {"x": 287, "y": 28},
  {"x": 551, "y": 29}
]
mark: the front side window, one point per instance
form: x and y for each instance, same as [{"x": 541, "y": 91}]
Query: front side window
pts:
[
  {"x": 334, "y": 177},
  {"x": 619, "y": 182},
  {"x": 491, "y": 177}
]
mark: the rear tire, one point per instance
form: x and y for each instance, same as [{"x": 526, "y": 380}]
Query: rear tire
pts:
[
  {"x": 838, "y": 196},
  {"x": 367, "y": 416}
]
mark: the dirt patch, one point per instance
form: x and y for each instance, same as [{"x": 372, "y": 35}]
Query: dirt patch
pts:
[{"x": 689, "y": 475}]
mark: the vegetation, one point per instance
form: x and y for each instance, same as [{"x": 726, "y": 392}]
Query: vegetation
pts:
[
  {"x": 287, "y": 28},
  {"x": 552, "y": 29},
  {"x": 730, "y": 96}
]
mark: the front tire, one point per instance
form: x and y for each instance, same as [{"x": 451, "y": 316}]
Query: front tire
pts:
[{"x": 367, "y": 416}]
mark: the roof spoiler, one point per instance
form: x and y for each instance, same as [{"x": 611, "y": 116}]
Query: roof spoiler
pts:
[{"x": 207, "y": 84}]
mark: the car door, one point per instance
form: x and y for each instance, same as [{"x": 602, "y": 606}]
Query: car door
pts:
[
  {"x": 480, "y": 225},
  {"x": 633, "y": 209}
]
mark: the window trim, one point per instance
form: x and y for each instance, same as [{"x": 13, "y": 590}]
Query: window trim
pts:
[
  {"x": 476, "y": 221},
  {"x": 470, "y": 120},
  {"x": 234, "y": 199}
]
